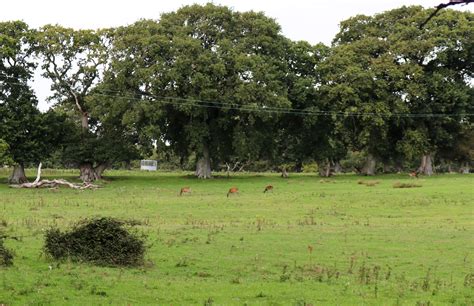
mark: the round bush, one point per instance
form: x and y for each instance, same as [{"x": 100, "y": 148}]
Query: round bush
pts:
[{"x": 103, "y": 241}]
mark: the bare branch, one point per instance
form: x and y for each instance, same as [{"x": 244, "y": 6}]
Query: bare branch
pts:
[{"x": 442, "y": 6}]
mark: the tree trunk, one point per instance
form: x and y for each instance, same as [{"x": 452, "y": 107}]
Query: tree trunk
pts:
[
  {"x": 337, "y": 167},
  {"x": 398, "y": 166},
  {"x": 18, "y": 176},
  {"x": 203, "y": 166},
  {"x": 386, "y": 168},
  {"x": 426, "y": 166},
  {"x": 85, "y": 120},
  {"x": 88, "y": 173},
  {"x": 324, "y": 169},
  {"x": 369, "y": 167},
  {"x": 465, "y": 168},
  {"x": 99, "y": 170},
  {"x": 299, "y": 167},
  {"x": 284, "y": 173}
]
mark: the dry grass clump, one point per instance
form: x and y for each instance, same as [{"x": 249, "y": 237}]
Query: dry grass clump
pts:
[
  {"x": 405, "y": 185},
  {"x": 368, "y": 183},
  {"x": 6, "y": 256}
]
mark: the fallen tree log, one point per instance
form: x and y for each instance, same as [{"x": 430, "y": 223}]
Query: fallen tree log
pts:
[{"x": 53, "y": 183}]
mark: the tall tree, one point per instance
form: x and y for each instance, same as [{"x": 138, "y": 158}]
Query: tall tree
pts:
[
  {"x": 75, "y": 60},
  {"x": 390, "y": 76},
  {"x": 217, "y": 70},
  {"x": 17, "y": 101},
  {"x": 29, "y": 135}
]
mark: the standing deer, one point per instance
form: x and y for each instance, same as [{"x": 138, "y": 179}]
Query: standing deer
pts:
[
  {"x": 233, "y": 190},
  {"x": 268, "y": 188},
  {"x": 185, "y": 190},
  {"x": 413, "y": 174}
]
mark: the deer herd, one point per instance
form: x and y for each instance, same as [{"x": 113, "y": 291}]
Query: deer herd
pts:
[
  {"x": 232, "y": 190},
  {"x": 235, "y": 190}
]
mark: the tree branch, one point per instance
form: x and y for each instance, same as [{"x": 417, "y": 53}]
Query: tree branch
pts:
[{"x": 442, "y": 6}]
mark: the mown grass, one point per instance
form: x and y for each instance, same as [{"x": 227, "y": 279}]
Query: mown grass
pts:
[{"x": 310, "y": 241}]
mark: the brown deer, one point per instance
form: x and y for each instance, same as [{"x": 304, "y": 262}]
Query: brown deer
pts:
[
  {"x": 413, "y": 174},
  {"x": 185, "y": 190},
  {"x": 233, "y": 190},
  {"x": 268, "y": 188}
]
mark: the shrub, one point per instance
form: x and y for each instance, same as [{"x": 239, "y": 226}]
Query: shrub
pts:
[
  {"x": 102, "y": 241},
  {"x": 6, "y": 256}
]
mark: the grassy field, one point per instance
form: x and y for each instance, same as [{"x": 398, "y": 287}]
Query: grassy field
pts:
[{"x": 310, "y": 241}]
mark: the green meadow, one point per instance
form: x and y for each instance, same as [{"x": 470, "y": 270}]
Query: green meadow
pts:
[{"x": 311, "y": 241}]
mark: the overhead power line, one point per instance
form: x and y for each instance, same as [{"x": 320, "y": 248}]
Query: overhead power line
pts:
[{"x": 199, "y": 103}]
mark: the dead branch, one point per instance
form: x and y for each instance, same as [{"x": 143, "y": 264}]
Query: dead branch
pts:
[
  {"x": 442, "y": 6},
  {"x": 54, "y": 184},
  {"x": 38, "y": 175}
]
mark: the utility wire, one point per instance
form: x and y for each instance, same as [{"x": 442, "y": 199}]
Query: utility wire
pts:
[{"x": 192, "y": 102}]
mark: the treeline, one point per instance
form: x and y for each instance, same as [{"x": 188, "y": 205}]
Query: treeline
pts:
[{"x": 218, "y": 89}]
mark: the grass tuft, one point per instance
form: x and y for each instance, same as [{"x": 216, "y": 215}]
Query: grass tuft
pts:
[
  {"x": 406, "y": 185},
  {"x": 6, "y": 256}
]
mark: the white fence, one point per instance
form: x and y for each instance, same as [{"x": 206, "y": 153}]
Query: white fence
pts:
[{"x": 149, "y": 165}]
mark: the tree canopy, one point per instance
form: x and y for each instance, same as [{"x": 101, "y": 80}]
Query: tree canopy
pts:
[{"x": 214, "y": 86}]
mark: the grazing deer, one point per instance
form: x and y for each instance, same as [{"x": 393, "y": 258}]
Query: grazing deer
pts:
[
  {"x": 413, "y": 174},
  {"x": 268, "y": 188},
  {"x": 233, "y": 190},
  {"x": 185, "y": 190}
]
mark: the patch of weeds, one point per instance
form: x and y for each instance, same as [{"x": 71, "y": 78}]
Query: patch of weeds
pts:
[
  {"x": 389, "y": 273},
  {"x": 426, "y": 281},
  {"x": 406, "y": 185},
  {"x": 351, "y": 265},
  {"x": 423, "y": 303},
  {"x": 209, "y": 302},
  {"x": 261, "y": 295},
  {"x": 469, "y": 280},
  {"x": 309, "y": 220},
  {"x": 203, "y": 274},
  {"x": 102, "y": 241},
  {"x": 302, "y": 302},
  {"x": 94, "y": 291},
  {"x": 368, "y": 183},
  {"x": 183, "y": 262},
  {"x": 285, "y": 277},
  {"x": 6, "y": 256},
  {"x": 368, "y": 275},
  {"x": 324, "y": 181}
]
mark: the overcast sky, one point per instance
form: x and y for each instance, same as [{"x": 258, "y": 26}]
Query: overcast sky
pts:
[{"x": 310, "y": 20}]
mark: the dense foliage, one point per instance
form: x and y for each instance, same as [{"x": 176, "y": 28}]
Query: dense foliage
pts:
[
  {"x": 221, "y": 89},
  {"x": 102, "y": 241}
]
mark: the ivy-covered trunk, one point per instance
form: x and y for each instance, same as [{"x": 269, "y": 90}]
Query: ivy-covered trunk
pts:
[
  {"x": 369, "y": 167},
  {"x": 426, "y": 166},
  {"x": 203, "y": 166},
  {"x": 18, "y": 176}
]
